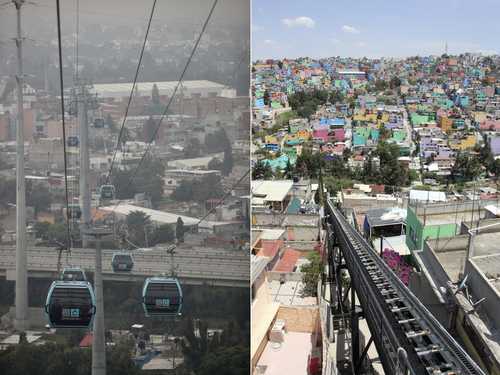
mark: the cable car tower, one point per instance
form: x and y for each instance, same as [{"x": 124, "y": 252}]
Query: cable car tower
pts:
[{"x": 82, "y": 102}]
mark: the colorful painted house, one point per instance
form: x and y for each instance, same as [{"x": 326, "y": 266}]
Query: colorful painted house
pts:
[
  {"x": 465, "y": 143},
  {"x": 419, "y": 229},
  {"x": 338, "y": 135},
  {"x": 446, "y": 124},
  {"x": 321, "y": 133}
]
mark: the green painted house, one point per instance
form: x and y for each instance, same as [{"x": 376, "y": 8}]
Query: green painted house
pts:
[{"x": 418, "y": 230}]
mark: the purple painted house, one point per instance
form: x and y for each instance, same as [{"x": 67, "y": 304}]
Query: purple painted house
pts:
[{"x": 495, "y": 145}]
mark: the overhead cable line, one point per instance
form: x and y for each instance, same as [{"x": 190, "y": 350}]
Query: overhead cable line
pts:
[
  {"x": 59, "y": 42},
  {"x": 225, "y": 196},
  {"x": 122, "y": 128},
  {"x": 179, "y": 83}
]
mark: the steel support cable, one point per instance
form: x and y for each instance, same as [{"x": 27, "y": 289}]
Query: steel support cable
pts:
[
  {"x": 122, "y": 128},
  {"x": 73, "y": 129},
  {"x": 225, "y": 196},
  {"x": 61, "y": 82},
  {"x": 179, "y": 83}
]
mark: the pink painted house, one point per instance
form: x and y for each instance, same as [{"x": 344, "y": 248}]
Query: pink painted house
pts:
[
  {"x": 321, "y": 132},
  {"x": 338, "y": 135}
]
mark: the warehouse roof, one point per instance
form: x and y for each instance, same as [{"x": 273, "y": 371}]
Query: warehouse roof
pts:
[{"x": 165, "y": 88}]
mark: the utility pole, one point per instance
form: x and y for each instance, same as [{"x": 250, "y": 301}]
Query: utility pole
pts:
[
  {"x": 98, "y": 337},
  {"x": 82, "y": 108},
  {"x": 21, "y": 301}
]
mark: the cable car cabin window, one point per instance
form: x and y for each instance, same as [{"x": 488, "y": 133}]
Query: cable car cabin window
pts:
[
  {"x": 73, "y": 275},
  {"x": 122, "y": 262},
  {"x": 107, "y": 192},
  {"x": 70, "y": 306},
  {"x": 73, "y": 141},
  {"x": 163, "y": 298}
]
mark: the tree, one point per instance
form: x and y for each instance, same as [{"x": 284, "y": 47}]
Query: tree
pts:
[
  {"x": 395, "y": 82},
  {"x": 42, "y": 229},
  {"x": 261, "y": 171},
  {"x": 289, "y": 171},
  {"x": 163, "y": 234},
  {"x": 217, "y": 141},
  {"x": 306, "y": 103},
  {"x": 267, "y": 100},
  {"x": 207, "y": 188},
  {"x": 7, "y": 192},
  {"x": 222, "y": 353},
  {"x": 215, "y": 164},
  {"x": 380, "y": 85},
  {"x": 179, "y": 230},
  {"x": 155, "y": 95},
  {"x": 227, "y": 163},
  {"x": 311, "y": 273},
  {"x": 466, "y": 167},
  {"x": 137, "y": 224},
  {"x": 392, "y": 173},
  {"x": 192, "y": 148},
  {"x": 148, "y": 179},
  {"x": 57, "y": 233},
  {"x": 232, "y": 360},
  {"x": 111, "y": 123},
  {"x": 149, "y": 129},
  {"x": 183, "y": 192}
]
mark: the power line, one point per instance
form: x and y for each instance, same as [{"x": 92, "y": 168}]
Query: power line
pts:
[
  {"x": 179, "y": 83},
  {"x": 77, "y": 34},
  {"x": 122, "y": 128},
  {"x": 63, "y": 123},
  {"x": 225, "y": 196}
]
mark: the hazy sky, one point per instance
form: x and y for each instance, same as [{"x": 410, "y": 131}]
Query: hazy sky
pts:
[
  {"x": 42, "y": 14},
  {"x": 373, "y": 28}
]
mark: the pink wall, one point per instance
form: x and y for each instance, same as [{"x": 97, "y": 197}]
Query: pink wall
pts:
[{"x": 321, "y": 133}]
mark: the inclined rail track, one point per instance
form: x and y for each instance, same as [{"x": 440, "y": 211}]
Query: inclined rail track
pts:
[{"x": 408, "y": 338}]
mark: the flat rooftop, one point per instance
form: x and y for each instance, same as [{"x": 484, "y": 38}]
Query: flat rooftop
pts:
[
  {"x": 289, "y": 357},
  {"x": 453, "y": 260},
  {"x": 289, "y": 293},
  {"x": 449, "y": 217},
  {"x": 145, "y": 88}
]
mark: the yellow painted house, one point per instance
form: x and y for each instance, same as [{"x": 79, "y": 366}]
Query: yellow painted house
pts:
[
  {"x": 446, "y": 124},
  {"x": 480, "y": 116},
  {"x": 301, "y": 135},
  {"x": 371, "y": 117},
  {"x": 463, "y": 144},
  {"x": 271, "y": 139}
]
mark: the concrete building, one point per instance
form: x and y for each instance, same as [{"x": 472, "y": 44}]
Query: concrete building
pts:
[
  {"x": 263, "y": 309},
  {"x": 173, "y": 177},
  {"x": 440, "y": 220},
  {"x": 271, "y": 194},
  {"x": 46, "y": 154},
  {"x": 143, "y": 89},
  {"x": 460, "y": 285}
]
